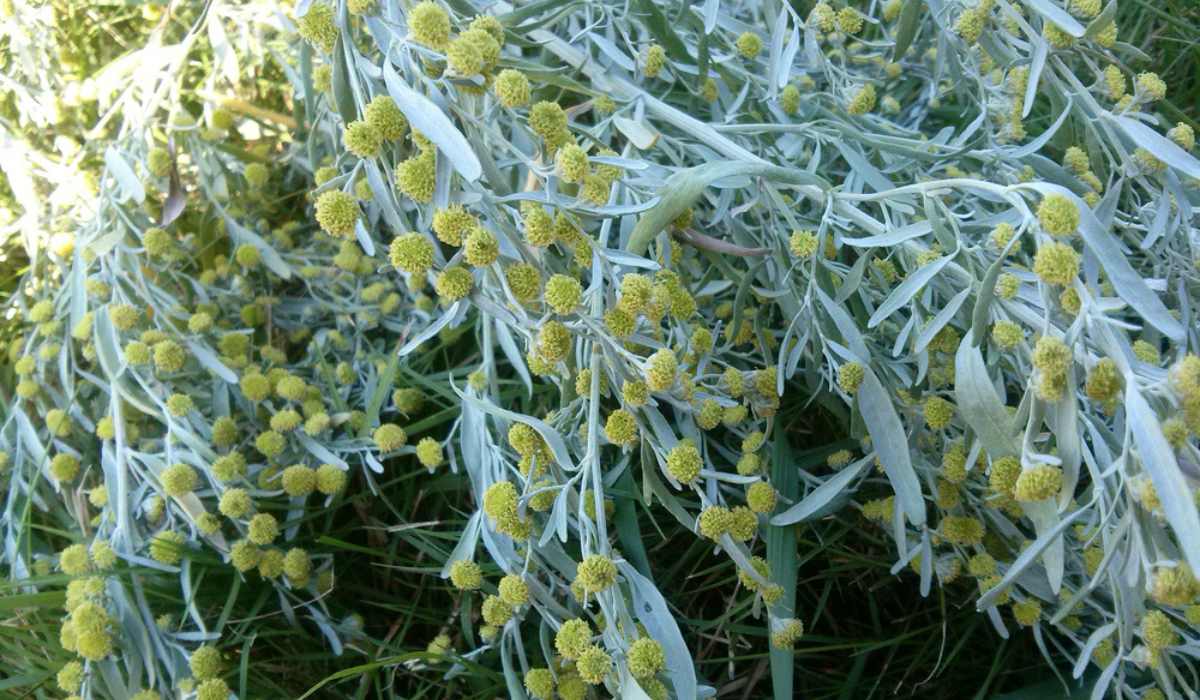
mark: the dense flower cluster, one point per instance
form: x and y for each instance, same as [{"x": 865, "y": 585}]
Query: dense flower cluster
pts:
[{"x": 639, "y": 295}]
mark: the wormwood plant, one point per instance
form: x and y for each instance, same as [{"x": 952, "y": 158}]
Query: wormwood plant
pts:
[{"x": 958, "y": 228}]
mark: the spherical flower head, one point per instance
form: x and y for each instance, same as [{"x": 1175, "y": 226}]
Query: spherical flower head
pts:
[
  {"x": 429, "y": 24},
  {"x": 157, "y": 242},
  {"x": 540, "y": 683},
  {"x": 64, "y": 467},
  {"x": 1051, "y": 356},
  {"x": 70, "y": 677},
  {"x": 524, "y": 439},
  {"x": 337, "y": 213},
  {"x": 500, "y": 500},
  {"x": 1104, "y": 381},
  {"x": 1174, "y": 585},
  {"x": 548, "y": 120},
  {"x": 803, "y": 243},
  {"x": 786, "y": 633},
  {"x": 411, "y": 253},
  {"x": 263, "y": 529},
  {"x": 571, "y": 163},
  {"x": 849, "y": 20},
  {"x": 862, "y": 101},
  {"x": 596, "y": 573},
  {"x": 789, "y": 99},
  {"x": 938, "y": 412},
  {"x": 205, "y": 663},
  {"x": 270, "y": 443},
  {"x": 1150, "y": 87},
  {"x": 1027, "y": 612},
  {"x": 1157, "y": 632},
  {"x": 1056, "y": 36},
  {"x": 563, "y": 294},
  {"x": 593, "y": 664},
  {"x": 621, "y": 428},
  {"x": 58, "y": 422},
  {"x": 1076, "y": 159},
  {"x": 496, "y": 611},
  {"x": 285, "y": 421},
  {"x": 749, "y": 45},
  {"x": 970, "y": 24},
  {"x": 362, "y": 139},
  {"x": 453, "y": 283},
  {"x": 981, "y": 565},
  {"x": 661, "y": 369},
  {"x": 1038, "y": 484},
  {"x": 1058, "y": 215},
  {"x": 1004, "y": 474},
  {"x": 524, "y": 281},
  {"x": 1007, "y": 335},
  {"x": 465, "y": 575},
  {"x": 270, "y": 566},
  {"x": 573, "y": 638},
  {"x": 298, "y": 480},
  {"x": 761, "y": 497},
  {"x": 538, "y": 225},
  {"x": 451, "y": 224},
  {"x": 73, "y": 561},
  {"x": 1183, "y": 136},
  {"x": 684, "y": 462},
  {"x": 168, "y": 356},
  {"x": 513, "y": 590},
  {"x": 138, "y": 353},
  {"x": 464, "y": 57},
  {"x": 235, "y": 503},
  {"x": 330, "y": 479},
  {"x": 385, "y": 118},
  {"x": 850, "y": 376},
  {"x": 481, "y": 247},
  {"x": 553, "y": 342},
  {"x": 212, "y": 689},
  {"x": 178, "y": 480},
  {"x": 229, "y": 467},
  {"x": 255, "y": 386},
  {"x": 714, "y": 521},
  {"x": 511, "y": 88},
  {"x": 297, "y": 566},
  {"x": 416, "y": 177},
  {"x": 645, "y": 658},
  {"x": 961, "y": 530},
  {"x": 318, "y": 28},
  {"x": 1056, "y": 263},
  {"x": 429, "y": 453},
  {"x": 179, "y": 405},
  {"x": 389, "y": 437},
  {"x": 167, "y": 547}
]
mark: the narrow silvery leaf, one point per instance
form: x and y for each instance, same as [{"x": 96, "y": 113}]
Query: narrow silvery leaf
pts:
[
  {"x": 1158, "y": 459},
  {"x": 119, "y": 168},
  {"x": 907, "y": 289},
  {"x": 941, "y": 319},
  {"x": 651, "y": 610},
  {"x": 910, "y": 16},
  {"x": 638, "y": 132},
  {"x": 1035, "y": 75},
  {"x": 426, "y": 117},
  {"x": 1161, "y": 147},
  {"x": 820, "y": 497},
  {"x": 711, "y": 8},
  {"x": 1027, "y": 557},
  {"x": 890, "y": 442},
  {"x": 978, "y": 403},
  {"x": 1057, "y": 15}
]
